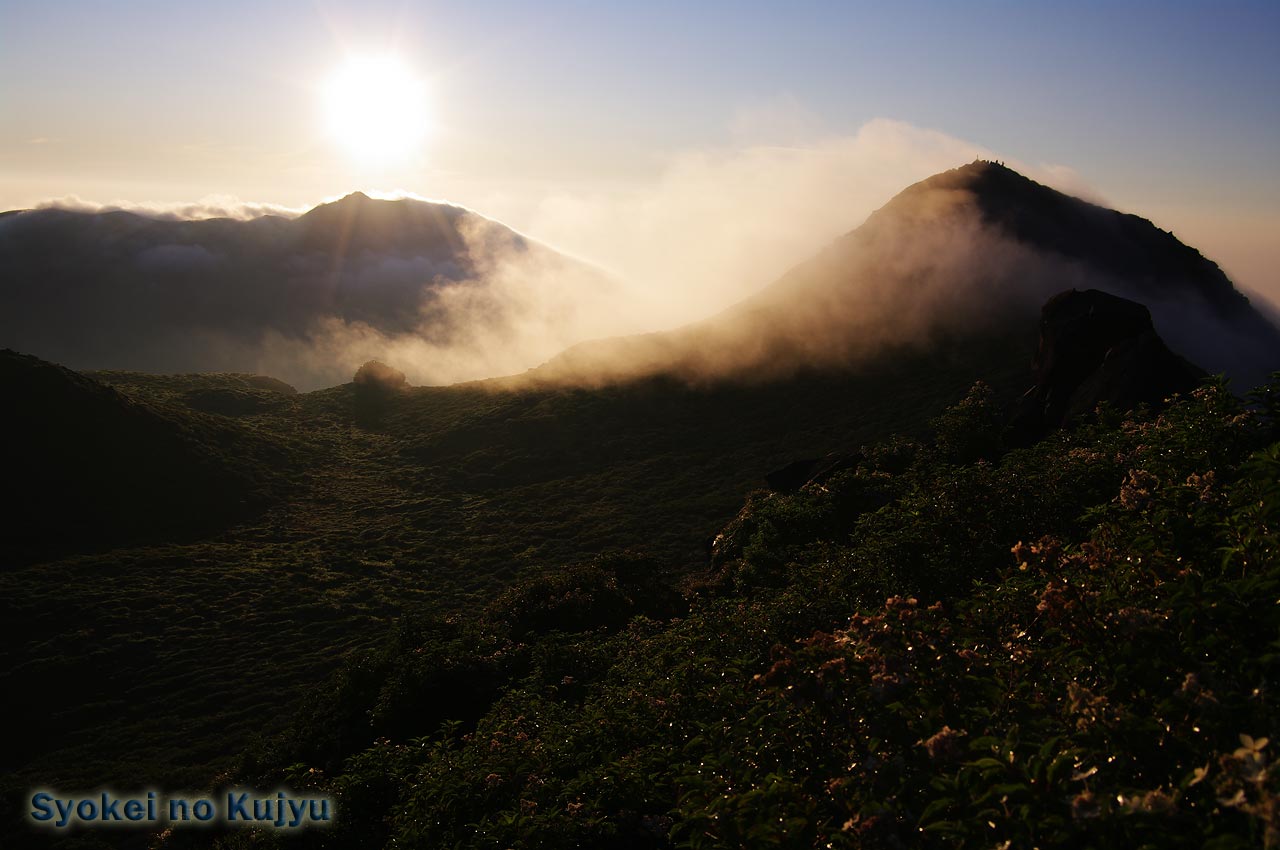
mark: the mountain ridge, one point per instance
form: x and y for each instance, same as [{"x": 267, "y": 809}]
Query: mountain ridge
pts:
[
  {"x": 956, "y": 253},
  {"x": 120, "y": 290}
]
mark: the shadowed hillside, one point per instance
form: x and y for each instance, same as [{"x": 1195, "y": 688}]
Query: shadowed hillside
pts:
[
  {"x": 942, "y": 643},
  {"x": 426, "y": 500},
  {"x": 89, "y": 467}
]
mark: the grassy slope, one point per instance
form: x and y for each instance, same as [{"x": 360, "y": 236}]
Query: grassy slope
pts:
[
  {"x": 156, "y": 663},
  {"x": 1075, "y": 650}
]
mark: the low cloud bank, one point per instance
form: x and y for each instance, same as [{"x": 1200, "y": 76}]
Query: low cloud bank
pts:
[
  {"x": 211, "y": 206},
  {"x": 446, "y": 295}
]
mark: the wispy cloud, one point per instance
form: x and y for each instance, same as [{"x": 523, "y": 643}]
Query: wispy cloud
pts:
[
  {"x": 715, "y": 227},
  {"x": 719, "y": 224},
  {"x": 210, "y": 206}
]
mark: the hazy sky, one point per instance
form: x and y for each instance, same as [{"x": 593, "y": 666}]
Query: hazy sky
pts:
[{"x": 1168, "y": 109}]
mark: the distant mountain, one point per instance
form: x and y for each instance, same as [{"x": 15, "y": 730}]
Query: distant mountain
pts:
[
  {"x": 123, "y": 291},
  {"x": 972, "y": 250}
]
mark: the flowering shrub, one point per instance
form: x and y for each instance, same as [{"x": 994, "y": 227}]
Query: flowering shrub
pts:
[{"x": 1067, "y": 645}]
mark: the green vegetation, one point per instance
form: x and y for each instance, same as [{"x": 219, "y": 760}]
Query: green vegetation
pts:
[
  {"x": 155, "y": 658},
  {"x": 947, "y": 644},
  {"x": 487, "y": 619}
]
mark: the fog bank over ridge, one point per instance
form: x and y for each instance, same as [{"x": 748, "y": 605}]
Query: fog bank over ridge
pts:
[
  {"x": 446, "y": 294},
  {"x": 975, "y": 249}
]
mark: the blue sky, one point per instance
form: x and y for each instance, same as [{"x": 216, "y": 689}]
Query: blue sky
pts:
[{"x": 1170, "y": 109}]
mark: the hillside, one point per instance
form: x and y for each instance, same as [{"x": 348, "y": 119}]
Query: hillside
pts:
[
  {"x": 779, "y": 699},
  {"x": 949, "y": 644},
  {"x": 429, "y": 501},
  {"x": 90, "y": 468},
  {"x": 971, "y": 250}
]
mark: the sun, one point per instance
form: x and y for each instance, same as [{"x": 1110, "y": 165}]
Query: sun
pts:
[{"x": 376, "y": 107}]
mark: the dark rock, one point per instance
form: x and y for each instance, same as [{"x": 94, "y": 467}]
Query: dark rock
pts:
[{"x": 1096, "y": 347}]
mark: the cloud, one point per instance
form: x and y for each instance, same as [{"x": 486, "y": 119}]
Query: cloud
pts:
[
  {"x": 719, "y": 224},
  {"x": 711, "y": 231},
  {"x": 211, "y": 206},
  {"x": 517, "y": 306},
  {"x": 933, "y": 269},
  {"x": 716, "y": 227}
]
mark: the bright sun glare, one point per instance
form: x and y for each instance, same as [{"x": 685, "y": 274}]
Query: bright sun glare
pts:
[{"x": 375, "y": 106}]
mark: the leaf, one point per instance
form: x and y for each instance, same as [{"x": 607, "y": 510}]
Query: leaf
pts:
[
  {"x": 987, "y": 763},
  {"x": 935, "y": 808}
]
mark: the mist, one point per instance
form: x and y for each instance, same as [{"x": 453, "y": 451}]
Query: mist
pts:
[
  {"x": 210, "y": 206},
  {"x": 719, "y": 225},
  {"x": 739, "y": 260},
  {"x": 714, "y": 229}
]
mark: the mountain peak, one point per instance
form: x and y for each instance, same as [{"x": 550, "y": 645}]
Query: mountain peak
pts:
[
  {"x": 358, "y": 203},
  {"x": 350, "y": 201},
  {"x": 1116, "y": 245},
  {"x": 967, "y": 251},
  {"x": 982, "y": 177},
  {"x": 356, "y": 197}
]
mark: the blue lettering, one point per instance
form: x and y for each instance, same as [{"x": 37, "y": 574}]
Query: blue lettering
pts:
[
  {"x": 40, "y": 807},
  {"x": 278, "y": 810},
  {"x": 235, "y": 807}
]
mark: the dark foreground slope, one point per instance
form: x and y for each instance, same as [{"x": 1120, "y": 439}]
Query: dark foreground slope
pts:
[
  {"x": 87, "y": 467},
  {"x": 156, "y": 661},
  {"x": 946, "y": 645}
]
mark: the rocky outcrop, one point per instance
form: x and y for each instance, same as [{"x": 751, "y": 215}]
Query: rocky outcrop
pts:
[{"x": 1094, "y": 348}]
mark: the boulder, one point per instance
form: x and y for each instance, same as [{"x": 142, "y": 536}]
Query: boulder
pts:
[{"x": 1096, "y": 347}]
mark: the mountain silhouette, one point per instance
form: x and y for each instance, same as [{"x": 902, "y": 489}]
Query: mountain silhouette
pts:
[
  {"x": 360, "y": 223},
  {"x": 125, "y": 291},
  {"x": 976, "y": 249}
]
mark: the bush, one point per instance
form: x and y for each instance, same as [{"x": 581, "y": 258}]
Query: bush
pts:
[{"x": 1067, "y": 645}]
